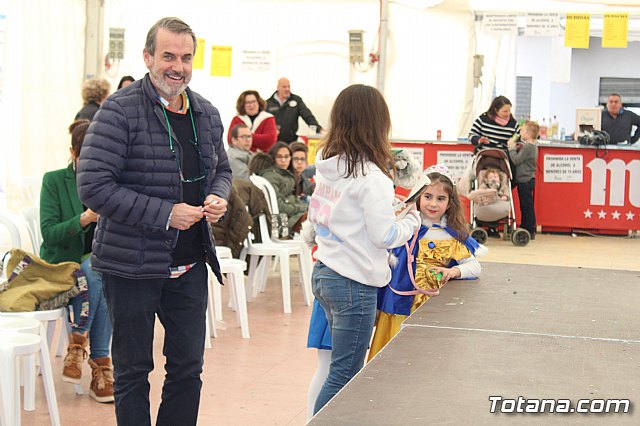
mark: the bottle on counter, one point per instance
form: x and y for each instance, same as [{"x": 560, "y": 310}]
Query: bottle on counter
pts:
[
  {"x": 543, "y": 129},
  {"x": 563, "y": 135},
  {"x": 554, "y": 128}
]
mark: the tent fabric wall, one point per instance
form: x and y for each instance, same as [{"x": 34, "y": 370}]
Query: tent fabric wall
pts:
[
  {"x": 429, "y": 74},
  {"x": 41, "y": 80}
]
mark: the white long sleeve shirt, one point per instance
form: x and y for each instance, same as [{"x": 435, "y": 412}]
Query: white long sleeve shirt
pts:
[{"x": 354, "y": 221}]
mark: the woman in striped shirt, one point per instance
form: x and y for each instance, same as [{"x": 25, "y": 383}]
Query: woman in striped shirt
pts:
[{"x": 493, "y": 128}]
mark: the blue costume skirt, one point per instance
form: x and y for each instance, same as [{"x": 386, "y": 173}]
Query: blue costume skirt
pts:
[{"x": 319, "y": 333}]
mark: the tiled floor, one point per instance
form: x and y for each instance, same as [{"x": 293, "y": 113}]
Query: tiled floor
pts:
[{"x": 263, "y": 380}]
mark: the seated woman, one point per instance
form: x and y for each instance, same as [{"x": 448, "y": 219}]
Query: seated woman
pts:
[
  {"x": 67, "y": 230},
  {"x": 304, "y": 186},
  {"x": 251, "y": 111},
  {"x": 275, "y": 168}
]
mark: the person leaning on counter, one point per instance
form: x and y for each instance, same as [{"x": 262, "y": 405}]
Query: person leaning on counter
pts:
[{"x": 619, "y": 122}]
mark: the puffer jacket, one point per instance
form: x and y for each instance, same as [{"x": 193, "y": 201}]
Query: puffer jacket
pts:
[{"x": 128, "y": 174}]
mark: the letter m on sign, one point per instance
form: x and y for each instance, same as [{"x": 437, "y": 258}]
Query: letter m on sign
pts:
[{"x": 617, "y": 181}]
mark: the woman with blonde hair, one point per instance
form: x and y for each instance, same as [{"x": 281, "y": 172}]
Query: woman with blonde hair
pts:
[{"x": 94, "y": 91}]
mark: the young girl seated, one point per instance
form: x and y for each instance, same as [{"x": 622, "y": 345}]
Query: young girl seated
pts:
[{"x": 441, "y": 250}]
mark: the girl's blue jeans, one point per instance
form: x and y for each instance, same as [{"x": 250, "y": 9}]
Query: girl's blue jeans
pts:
[
  {"x": 98, "y": 323},
  {"x": 350, "y": 308}
]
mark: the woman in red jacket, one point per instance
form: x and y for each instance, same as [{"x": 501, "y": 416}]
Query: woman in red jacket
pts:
[{"x": 251, "y": 111}]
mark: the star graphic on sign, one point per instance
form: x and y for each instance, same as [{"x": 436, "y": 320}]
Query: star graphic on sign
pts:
[
  {"x": 616, "y": 215},
  {"x": 587, "y": 214},
  {"x": 630, "y": 216},
  {"x": 602, "y": 214}
]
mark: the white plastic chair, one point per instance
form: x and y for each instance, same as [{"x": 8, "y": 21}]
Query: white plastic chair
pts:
[
  {"x": 13, "y": 345},
  {"x": 234, "y": 270},
  {"x": 266, "y": 249},
  {"x": 12, "y": 228},
  {"x": 306, "y": 260},
  {"x": 56, "y": 321},
  {"x": 31, "y": 215}
]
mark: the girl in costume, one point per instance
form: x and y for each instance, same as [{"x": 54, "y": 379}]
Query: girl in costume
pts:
[
  {"x": 351, "y": 210},
  {"x": 440, "y": 250}
]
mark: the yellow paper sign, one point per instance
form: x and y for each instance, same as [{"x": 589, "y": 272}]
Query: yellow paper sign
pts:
[
  {"x": 221, "y": 61},
  {"x": 198, "y": 59},
  {"x": 616, "y": 27},
  {"x": 313, "y": 149},
  {"x": 576, "y": 33}
]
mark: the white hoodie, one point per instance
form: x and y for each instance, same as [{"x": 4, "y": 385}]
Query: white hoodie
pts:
[{"x": 354, "y": 221}]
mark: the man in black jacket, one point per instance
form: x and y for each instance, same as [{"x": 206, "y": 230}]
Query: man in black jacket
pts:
[
  {"x": 287, "y": 107},
  {"x": 619, "y": 122}
]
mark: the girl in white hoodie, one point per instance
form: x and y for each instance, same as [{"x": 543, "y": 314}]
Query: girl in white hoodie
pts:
[{"x": 351, "y": 210}]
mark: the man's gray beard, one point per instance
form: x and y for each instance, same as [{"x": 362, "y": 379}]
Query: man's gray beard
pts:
[{"x": 165, "y": 87}]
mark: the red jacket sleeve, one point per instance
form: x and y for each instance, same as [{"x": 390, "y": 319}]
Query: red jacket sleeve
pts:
[{"x": 265, "y": 135}]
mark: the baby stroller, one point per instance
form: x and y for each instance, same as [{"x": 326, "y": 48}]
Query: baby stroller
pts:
[{"x": 487, "y": 209}]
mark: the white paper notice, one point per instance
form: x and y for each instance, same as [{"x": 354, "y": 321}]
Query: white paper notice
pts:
[
  {"x": 256, "y": 60},
  {"x": 456, "y": 161},
  {"x": 563, "y": 168},
  {"x": 500, "y": 23},
  {"x": 543, "y": 24}
]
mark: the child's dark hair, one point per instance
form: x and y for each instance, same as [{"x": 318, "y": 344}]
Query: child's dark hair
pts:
[
  {"x": 273, "y": 151},
  {"x": 260, "y": 161},
  {"x": 455, "y": 215},
  {"x": 359, "y": 132},
  {"x": 78, "y": 129}
]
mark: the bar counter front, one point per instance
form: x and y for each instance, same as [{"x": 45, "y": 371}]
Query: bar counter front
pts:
[{"x": 578, "y": 188}]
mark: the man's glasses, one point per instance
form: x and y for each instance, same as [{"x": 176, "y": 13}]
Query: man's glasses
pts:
[
  {"x": 299, "y": 159},
  {"x": 203, "y": 166},
  {"x": 245, "y": 137}
]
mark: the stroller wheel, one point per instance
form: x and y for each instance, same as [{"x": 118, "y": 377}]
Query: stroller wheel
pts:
[
  {"x": 520, "y": 237},
  {"x": 480, "y": 235}
]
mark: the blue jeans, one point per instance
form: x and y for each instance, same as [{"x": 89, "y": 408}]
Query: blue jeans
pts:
[
  {"x": 350, "y": 308},
  {"x": 98, "y": 323},
  {"x": 180, "y": 304}
]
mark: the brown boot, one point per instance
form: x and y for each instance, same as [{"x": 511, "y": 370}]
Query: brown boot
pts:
[
  {"x": 76, "y": 353},
  {"x": 101, "y": 388}
]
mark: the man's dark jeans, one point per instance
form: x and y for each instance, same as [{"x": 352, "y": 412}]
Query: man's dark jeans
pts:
[{"x": 180, "y": 304}]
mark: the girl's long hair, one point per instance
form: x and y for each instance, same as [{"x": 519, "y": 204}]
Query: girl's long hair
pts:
[
  {"x": 359, "y": 130},
  {"x": 455, "y": 215}
]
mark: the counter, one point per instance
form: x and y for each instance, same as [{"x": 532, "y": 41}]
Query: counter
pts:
[{"x": 578, "y": 188}]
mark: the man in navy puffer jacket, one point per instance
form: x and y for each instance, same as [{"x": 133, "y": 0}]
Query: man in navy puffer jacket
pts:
[{"x": 154, "y": 168}]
